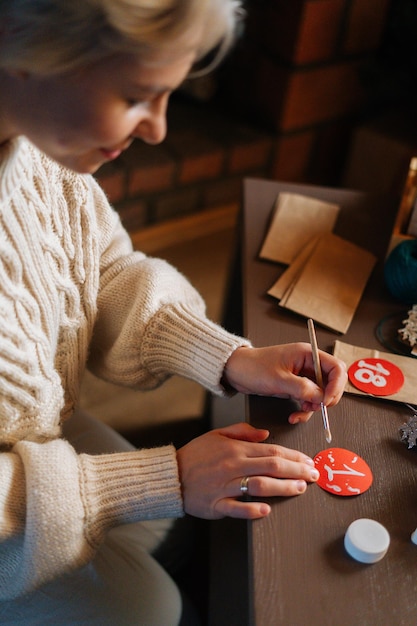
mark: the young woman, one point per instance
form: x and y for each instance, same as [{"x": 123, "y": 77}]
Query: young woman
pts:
[{"x": 82, "y": 514}]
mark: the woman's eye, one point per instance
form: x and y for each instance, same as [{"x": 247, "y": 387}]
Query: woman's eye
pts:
[
  {"x": 133, "y": 102},
  {"x": 138, "y": 98}
]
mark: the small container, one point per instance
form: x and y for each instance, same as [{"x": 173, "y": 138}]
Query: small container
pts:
[{"x": 366, "y": 540}]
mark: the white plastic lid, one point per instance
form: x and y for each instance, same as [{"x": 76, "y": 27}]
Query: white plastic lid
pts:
[{"x": 366, "y": 540}]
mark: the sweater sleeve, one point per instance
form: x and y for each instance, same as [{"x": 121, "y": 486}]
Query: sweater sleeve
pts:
[
  {"x": 46, "y": 531},
  {"x": 147, "y": 322},
  {"x": 152, "y": 323}
]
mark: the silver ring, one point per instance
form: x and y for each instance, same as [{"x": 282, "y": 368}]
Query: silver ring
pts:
[{"x": 244, "y": 485}]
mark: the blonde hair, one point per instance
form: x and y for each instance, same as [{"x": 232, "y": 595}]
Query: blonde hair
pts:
[{"x": 53, "y": 36}]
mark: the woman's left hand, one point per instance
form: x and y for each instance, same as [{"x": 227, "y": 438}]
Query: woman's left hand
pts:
[{"x": 212, "y": 466}]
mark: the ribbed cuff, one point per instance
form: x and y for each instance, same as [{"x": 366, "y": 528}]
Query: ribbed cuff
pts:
[
  {"x": 127, "y": 487},
  {"x": 177, "y": 341}
]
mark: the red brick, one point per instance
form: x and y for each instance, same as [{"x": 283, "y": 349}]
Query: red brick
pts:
[
  {"x": 223, "y": 191},
  {"x": 245, "y": 147},
  {"x": 319, "y": 30},
  {"x": 285, "y": 99},
  {"x": 201, "y": 167},
  {"x": 366, "y": 23},
  {"x": 177, "y": 202},
  {"x": 321, "y": 94},
  {"x": 198, "y": 158},
  {"x": 299, "y": 31},
  {"x": 112, "y": 180},
  {"x": 292, "y": 158},
  {"x": 134, "y": 214},
  {"x": 150, "y": 168},
  {"x": 252, "y": 154}
]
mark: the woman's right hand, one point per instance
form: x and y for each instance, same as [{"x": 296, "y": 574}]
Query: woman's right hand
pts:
[{"x": 212, "y": 466}]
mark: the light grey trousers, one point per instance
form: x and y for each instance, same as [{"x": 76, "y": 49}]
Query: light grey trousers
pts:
[{"x": 124, "y": 585}]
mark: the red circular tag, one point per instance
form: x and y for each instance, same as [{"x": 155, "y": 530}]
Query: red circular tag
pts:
[
  {"x": 342, "y": 472},
  {"x": 376, "y": 376}
]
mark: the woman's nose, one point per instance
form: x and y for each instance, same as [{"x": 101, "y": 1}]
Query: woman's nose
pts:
[{"x": 152, "y": 127}]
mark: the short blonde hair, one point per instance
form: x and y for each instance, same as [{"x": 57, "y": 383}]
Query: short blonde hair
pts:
[{"x": 53, "y": 36}]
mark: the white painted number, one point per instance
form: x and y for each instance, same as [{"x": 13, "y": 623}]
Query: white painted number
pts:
[
  {"x": 368, "y": 373},
  {"x": 348, "y": 471}
]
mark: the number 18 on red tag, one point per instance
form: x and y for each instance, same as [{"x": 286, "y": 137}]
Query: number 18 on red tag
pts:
[{"x": 376, "y": 376}]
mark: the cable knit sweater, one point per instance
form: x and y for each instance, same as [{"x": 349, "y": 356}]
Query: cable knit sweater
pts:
[{"x": 73, "y": 293}]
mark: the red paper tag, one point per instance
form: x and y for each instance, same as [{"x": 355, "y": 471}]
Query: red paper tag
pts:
[
  {"x": 342, "y": 472},
  {"x": 376, "y": 376}
]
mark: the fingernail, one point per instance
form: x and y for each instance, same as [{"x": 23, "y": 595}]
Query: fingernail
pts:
[
  {"x": 309, "y": 461},
  {"x": 314, "y": 474},
  {"x": 301, "y": 486},
  {"x": 264, "y": 509}
]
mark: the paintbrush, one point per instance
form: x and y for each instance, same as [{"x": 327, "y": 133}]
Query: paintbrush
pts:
[{"x": 319, "y": 376}]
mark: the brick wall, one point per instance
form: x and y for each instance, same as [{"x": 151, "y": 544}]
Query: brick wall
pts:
[
  {"x": 287, "y": 100},
  {"x": 298, "y": 71},
  {"x": 199, "y": 166}
]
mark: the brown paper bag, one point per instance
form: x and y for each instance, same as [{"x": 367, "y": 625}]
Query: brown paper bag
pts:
[
  {"x": 350, "y": 354},
  {"x": 288, "y": 279},
  {"x": 296, "y": 219},
  {"x": 329, "y": 286}
]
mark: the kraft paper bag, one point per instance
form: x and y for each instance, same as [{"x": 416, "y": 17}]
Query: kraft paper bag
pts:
[
  {"x": 296, "y": 219},
  {"x": 288, "y": 279},
  {"x": 350, "y": 354},
  {"x": 329, "y": 286}
]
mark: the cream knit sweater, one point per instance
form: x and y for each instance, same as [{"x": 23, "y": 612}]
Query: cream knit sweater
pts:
[{"x": 71, "y": 291}]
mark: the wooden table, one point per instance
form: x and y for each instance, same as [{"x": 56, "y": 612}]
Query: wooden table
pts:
[{"x": 292, "y": 568}]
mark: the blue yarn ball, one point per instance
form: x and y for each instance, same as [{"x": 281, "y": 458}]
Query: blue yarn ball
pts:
[{"x": 400, "y": 271}]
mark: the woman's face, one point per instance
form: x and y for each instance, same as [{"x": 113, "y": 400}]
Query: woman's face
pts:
[{"x": 87, "y": 117}]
